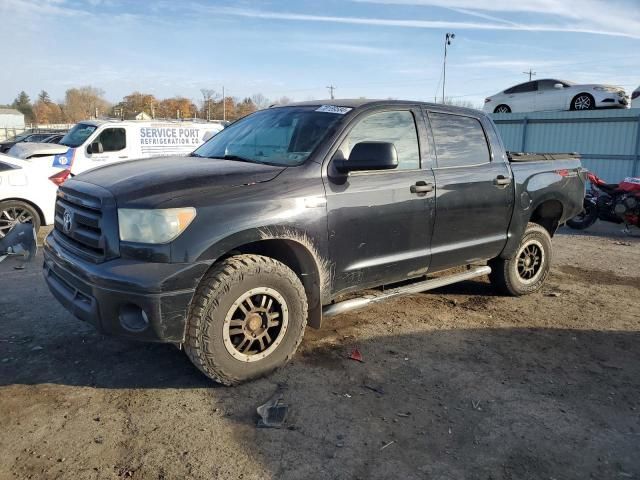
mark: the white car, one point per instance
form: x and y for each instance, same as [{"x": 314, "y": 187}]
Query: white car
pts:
[
  {"x": 635, "y": 98},
  {"x": 27, "y": 150},
  {"x": 28, "y": 192},
  {"x": 551, "y": 94}
]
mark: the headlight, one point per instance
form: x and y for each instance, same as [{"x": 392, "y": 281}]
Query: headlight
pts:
[
  {"x": 153, "y": 226},
  {"x": 606, "y": 89}
]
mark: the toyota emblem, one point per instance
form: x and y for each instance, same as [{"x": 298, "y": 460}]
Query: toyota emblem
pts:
[{"x": 67, "y": 221}]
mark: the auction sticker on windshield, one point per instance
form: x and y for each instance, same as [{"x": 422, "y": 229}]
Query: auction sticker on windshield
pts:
[{"x": 334, "y": 109}]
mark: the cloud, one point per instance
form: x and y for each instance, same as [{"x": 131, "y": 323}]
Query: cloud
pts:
[
  {"x": 606, "y": 17},
  {"x": 347, "y": 48},
  {"x": 424, "y": 24}
]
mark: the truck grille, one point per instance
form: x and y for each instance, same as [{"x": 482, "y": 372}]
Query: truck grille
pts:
[{"x": 79, "y": 224}]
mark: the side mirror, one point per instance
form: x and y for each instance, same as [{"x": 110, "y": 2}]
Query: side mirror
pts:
[
  {"x": 369, "y": 156},
  {"x": 558, "y": 86},
  {"x": 95, "y": 147}
]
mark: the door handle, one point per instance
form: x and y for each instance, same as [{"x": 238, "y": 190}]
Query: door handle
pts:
[
  {"x": 124, "y": 156},
  {"x": 421, "y": 187},
  {"x": 501, "y": 181}
]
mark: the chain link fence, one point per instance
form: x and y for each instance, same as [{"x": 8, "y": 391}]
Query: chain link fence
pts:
[{"x": 10, "y": 132}]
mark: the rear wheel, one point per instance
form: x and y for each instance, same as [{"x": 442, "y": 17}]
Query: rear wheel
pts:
[
  {"x": 13, "y": 212},
  {"x": 584, "y": 219},
  {"x": 502, "y": 109},
  {"x": 527, "y": 270},
  {"x": 247, "y": 319},
  {"x": 583, "y": 101}
]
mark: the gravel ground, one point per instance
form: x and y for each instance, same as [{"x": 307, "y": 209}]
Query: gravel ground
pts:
[{"x": 456, "y": 383}]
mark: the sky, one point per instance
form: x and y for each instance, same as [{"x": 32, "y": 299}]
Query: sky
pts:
[{"x": 296, "y": 48}]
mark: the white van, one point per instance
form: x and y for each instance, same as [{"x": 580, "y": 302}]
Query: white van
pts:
[
  {"x": 30, "y": 178},
  {"x": 93, "y": 143}
]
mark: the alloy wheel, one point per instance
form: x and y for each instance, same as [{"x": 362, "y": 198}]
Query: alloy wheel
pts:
[
  {"x": 530, "y": 261},
  {"x": 583, "y": 102},
  {"x": 11, "y": 216},
  {"x": 255, "y": 324}
]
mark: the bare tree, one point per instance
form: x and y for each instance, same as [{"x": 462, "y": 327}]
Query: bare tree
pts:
[
  {"x": 260, "y": 101},
  {"x": 460, "y": 103},
  {"x": 208, "y": 95}
]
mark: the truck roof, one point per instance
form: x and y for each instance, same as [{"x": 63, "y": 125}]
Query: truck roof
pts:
[
  {"x": 98, "y": 123},
  {"x": 368, "y": 102}
]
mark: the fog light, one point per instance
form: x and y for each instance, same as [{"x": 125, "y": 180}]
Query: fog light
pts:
[{"x": 133, "y": 318}]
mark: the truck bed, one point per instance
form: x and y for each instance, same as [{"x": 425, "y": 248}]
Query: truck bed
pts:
[{"x": 539, "y": 157}]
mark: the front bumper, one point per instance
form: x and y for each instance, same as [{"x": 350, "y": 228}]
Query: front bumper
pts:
[
  {"x": 611, "y": 100},
  {"x": 128, "y": 298}
]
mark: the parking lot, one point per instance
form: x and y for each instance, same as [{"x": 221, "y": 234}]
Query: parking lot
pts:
[{"x": 457, "y": 383}]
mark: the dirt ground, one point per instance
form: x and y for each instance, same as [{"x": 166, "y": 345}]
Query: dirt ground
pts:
[{"x": 456, "y": 384}]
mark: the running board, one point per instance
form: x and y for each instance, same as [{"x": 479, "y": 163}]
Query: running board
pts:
[{"x": 355, "y": 303}]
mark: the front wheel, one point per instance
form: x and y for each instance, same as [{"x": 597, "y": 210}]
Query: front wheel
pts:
[
  {"x": 527, "y": 270},
  {"x": 583, "y": 101},
  {"x": 584, "y": 219},
  {"x": 247, "y": 319},
  {"x": 13, "y": 212}
]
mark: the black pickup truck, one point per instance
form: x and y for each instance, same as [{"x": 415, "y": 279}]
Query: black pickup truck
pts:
[{"x": 267, "y": 227}]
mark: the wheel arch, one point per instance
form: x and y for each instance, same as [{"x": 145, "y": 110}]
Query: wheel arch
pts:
[
  {"x": 573, "y": 99},
  {"x": 296, "y": 250},
  {"x": 33, "y": 205},
  {"x": 548, "y": 214},
  {"x": 502, "y": 105}
]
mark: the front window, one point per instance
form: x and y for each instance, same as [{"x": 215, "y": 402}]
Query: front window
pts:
[
  {"x": 77, "y": 135},
  {"x": 284, "y": 136},
  {"x": 113, "y": 139},
  {"x": 397, "y": 127}
]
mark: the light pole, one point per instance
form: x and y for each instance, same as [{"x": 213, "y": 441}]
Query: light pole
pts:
[{"x": 447, "y": 41}]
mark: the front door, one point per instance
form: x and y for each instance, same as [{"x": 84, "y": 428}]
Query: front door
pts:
[
  {"x": 379, "y": 223},
  {"x": 549, "y": 97},
  {"x": 114, "y": 146},
  {"x": 474, "y": 193}
]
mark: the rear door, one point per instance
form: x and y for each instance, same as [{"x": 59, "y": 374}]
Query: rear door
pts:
[
  {"x": 522, "y": 98},
  {"x": 474, "y": 197},
  {"x": 379, "y": 226}
]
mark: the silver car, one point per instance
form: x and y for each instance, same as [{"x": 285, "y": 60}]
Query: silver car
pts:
[{"x": 552, "y": 94}]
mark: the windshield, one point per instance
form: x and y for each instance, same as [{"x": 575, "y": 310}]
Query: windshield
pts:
[
  {"x": 77, "y": 135},
  {"x": 18, "y": 138},
  {"x": 284, "y": 136}
]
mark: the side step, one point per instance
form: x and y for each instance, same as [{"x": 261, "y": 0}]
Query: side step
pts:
[{"x": 354, "y": 303}]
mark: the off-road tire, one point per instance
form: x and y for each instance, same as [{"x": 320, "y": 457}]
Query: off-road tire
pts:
[
  {"x": 504, "y": 274},
  {"x": 219, "y": 289},
  {"x": 23, "y": 206}
]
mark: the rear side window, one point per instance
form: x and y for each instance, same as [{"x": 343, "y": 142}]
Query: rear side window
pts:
[
  {"x": 397, "y": 127},
  {"x": 113, "y": 139},
  {"x": 459, "y": 140},
  {"x": 523, "y": 88}
]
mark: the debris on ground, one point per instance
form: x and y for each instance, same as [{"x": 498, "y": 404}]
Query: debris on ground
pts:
[
  {"x": 553, "y": 294},
  {"x": 273, "y": 413},
  {"x": 377, "y": 390},
  {"x": 356, "y": 355},
  {"x": 624, "y": 244},
  {"x": 387, "y": 445}
]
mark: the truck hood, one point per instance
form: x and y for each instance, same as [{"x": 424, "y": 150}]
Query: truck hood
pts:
[
  {"x": 160, "y": 179},
  {"x": 29, "y": 149}
]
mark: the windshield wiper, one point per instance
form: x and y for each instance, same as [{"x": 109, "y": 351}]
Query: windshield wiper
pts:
[{"x": 237, "y": 158}]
